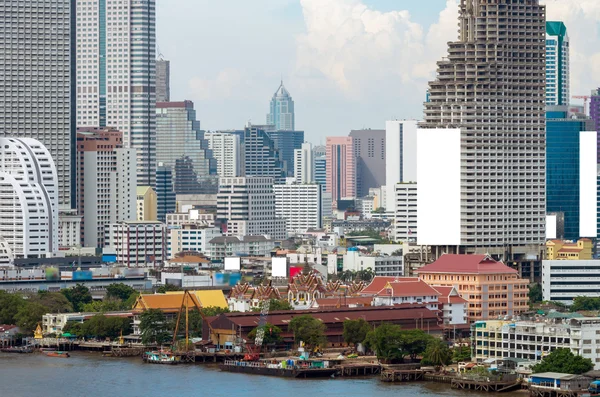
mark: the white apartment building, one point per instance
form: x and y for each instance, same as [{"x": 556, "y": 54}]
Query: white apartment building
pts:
[
  {"x": 400, "y": 158},
  {"x": 227, "y": 152},
  {"x": 116, "y": 76},
  {"x": 299, "y": 205},
  {"x": 223, "y": 247},
  {"x": 405, "y": 212},
  {"x": 190, "y": 238},
  {"x": 533, "y": 340},
  {"x": 192, "y": 217},
  {"x": 390, "y": 266},
  {"x": 69, "y": 228},
  {"x": 137, "y": 244},
  {"x": 564, "y": 280},
  {"x": 304, "y": 164},
  {"x": 248, "y": 206},
  {"x": 29, "y": 205}
]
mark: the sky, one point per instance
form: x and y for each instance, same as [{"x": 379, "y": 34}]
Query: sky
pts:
[{"x": 348, "y": 64}]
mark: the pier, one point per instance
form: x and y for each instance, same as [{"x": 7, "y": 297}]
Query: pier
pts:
[
  {"x": 501, "y": 384},
  {"x": 400, "y": 375},
  {"x": 358, "y": 369}
]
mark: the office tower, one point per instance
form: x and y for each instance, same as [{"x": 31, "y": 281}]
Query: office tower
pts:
[
  {"x": 304, "y": 164},
  {"x": 106, "y": 182},
  {"x": 571, "y": 171},
  {"x": 29, "y": 191},
  {"x": 405, "y": 212},
  {"x": 300, "y": 205},
  {"x": 481, "y": 149},
  {"x": 321, "y": 170},
  {"x": 557, "y": 64},
  {"x": 38, "y": 81},
  {"x": 163, "y": 80},
  {"x": 247, "y": 206},
  {"x": 261, "y": 158},
  {"x": 116, "y": 74},
  {"x": 341, "y": 168},
  {"x": 146, "y": 205},
  {"x": 286, "y": 142},
  {"x": 401, "y": 156},
  {"x": 369, "y": 150},
  {"x": 226, "y": 151},
  {"x": 166, "y": 200},
  {"x": 281, "y": 113},
  {"x": 180, "y": 144}
]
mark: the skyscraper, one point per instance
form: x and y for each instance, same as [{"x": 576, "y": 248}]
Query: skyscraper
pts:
[
  {"x": 369, "y": 149},
  {"x": 281, "y": 113},
  {"x": 116, "y": 74},
  {"x": 482, "y": 143},
  {"x": 304, "y": 164},
  {"x": 557, "y": 64},
  {"x": 261, "y": 158},
  {"x": 401, "y": 156},
  {"x": 166, "y": 200},
  {"x": 286, "y": 142},
  {"x": 37, "y": 97},
  {"x": 163, "y": 80},
  {"x": 341, "y": 168},
  {"x": 226, "y": 151}
]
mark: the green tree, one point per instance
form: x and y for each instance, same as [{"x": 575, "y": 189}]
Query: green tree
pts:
[
  {"x": 167, "y": 287},
  {"x": 107, "y": 305},
  {"x": 414, "y": 342},
  {"x": 119, "y": 291},
  {"x": 154, "y": 327},
  {"x": 78, "y": 295},
  {"x": 355, "y": 331},
  {"x": 73, "y": 328},
  {"x": 101, "y": 326},
  {"x": 585, "y": 303},
  {"x": 535, "y": 293},
  {"x": 347, "y": 275},
  {"x": 272, "y": 334},
  {"x": 9, "y": 307},
  {"x": 29, "y": 316},
  {"x": 366, "y": 274},
  {"x": 275, "y": 305},
  {"x": 308, "y": 329},
  {"x": 387, "y": 342},
  {"x": 437, "y": 353},
  {"x": 55, "y": 302},
  {"x": 563, "y": 360},
  {"x": 212, "y": 311},
  {"x": 461, "y": 353}
]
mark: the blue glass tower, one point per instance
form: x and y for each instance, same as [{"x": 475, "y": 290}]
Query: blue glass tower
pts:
[
  {"x": 165, "y": 196},
  {"x": 286, "y": 142},
  {"x": 321, "y": 170},
  {"x": 281, "y": 112}
]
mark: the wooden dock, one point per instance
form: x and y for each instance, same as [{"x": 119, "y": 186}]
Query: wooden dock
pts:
[
  {"x": 536, "y": 391},
  {"x": 486, "y": 385},
  {"x": 395, "y": 375},
  {"x": 358, "y": 369}
]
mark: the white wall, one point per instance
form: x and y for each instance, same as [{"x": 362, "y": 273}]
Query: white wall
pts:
[
  {"x": 588, "y": 210},
  {"x": 438, "y": 173},
  {"x": 551, "y": 227}
]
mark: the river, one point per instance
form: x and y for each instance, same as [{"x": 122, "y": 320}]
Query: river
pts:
[{"x": 90, "y": 375}]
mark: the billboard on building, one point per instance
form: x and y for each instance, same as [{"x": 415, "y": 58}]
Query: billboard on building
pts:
[
  {"x": 226, "y": 279},
  {"x": 82, "y": 275},
  {"x": 234, "y": 263},
  {"x": 279, "y": 267},
  {"x": 52, "y": 273},
  {"x": 294, "y": 271}
]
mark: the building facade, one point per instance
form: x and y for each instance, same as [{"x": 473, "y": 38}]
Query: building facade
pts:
[
  {"x": 560, "y": 249},
  {"x": 370, "y": 153},
  {"x": 386, "y": 266},
  {"x": 405, "y": 212},
  {"x": 116, "y": 74},
  {"x": 146, "y": 204},
  {"x": 287, "y": 142},
  {"x": 190, "y": 238},
  {"x": 281, "y": 110},
  {"x": 261, "y": 157},
  {"x": 299, "y": 205},
  {"x": 564, "y": 280},
  {"x": 163, "y": 80},
  {"x": 223, "y": 247},
  {"x": 304, "y": 164},
  {"x": 137, "y": 243},
  {"x": 321, "y": 170},
  {"x": 341, "y": 168},
  {"x": 400, "y": 157},
  {"x": 557, "y": 64},
  {"x": 166, "y": 199},
  {"x": 226, "y": 151}
]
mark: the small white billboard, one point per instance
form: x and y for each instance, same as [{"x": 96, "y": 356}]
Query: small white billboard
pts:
[
  {"x": 233, "y": 263},
  {"x": 279, "y": 267}
]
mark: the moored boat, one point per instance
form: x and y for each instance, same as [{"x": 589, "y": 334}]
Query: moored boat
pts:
[
  {"x": 286, "y": 368},
  {"x": 160, "y": 357},
  {"x": 56, "y": 353},
  {"x": 14, "y": 349}
]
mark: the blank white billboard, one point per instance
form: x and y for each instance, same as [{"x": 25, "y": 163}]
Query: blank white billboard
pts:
[
  {"x": 588, "y": 171},
  {"x": 279, "y": 267},
  {"x": 233, "y": 263},
  {"x": 551, "y": 227}
]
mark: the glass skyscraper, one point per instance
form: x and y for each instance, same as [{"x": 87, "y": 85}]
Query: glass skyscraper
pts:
[
  {"x": 261, "y": 158},
  {"x": 286, "y": 142},
  {"x": 557, "y": 64},
  {"x": 281, "y": 113},
  {"x": 165, "y": 195}
]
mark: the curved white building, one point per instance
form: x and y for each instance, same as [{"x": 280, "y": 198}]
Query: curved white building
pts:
[{"x": 28, "y": 198}]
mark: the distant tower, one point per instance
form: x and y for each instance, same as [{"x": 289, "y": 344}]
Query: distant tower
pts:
[
  {"x": 163, "y": 80},
  {"x": 557, "y": 64},
  {"x": 282, "y": 110}
]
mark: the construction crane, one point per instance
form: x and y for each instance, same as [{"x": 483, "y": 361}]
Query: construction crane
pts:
[
  {"x": 185, "y": 303},
  {"x": 254, "y": 353},
  {"x": 585, "y": 98}
]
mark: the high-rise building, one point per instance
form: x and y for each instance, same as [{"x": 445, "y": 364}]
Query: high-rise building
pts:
[
  {"x": 106, "y": 182},
  {"x": 29, "y": 191},
  {"x": 286, "y": 142},
  {"x": 281, "y": 111},
  {"x": 481, "y": 151},
  {"x": 247, "y": 206},
  {"x": 341, "y": 168},
  {"x": 571, "y": 171},
  {"x": 261, "y": 158},
  {"x": 321, "y": 170},
  {"x": 137, "y": 243},
  {"x": 37, "y": 97},
  {"x": 300, "y": 205},
  {"x": 163, "y": 80},
  {"x": 595, "y": 115},
  {"x": 304, "y": 164},
  {"x": 146, "y": 204},
  {"x": 557, "y": 64},
  {"x": 166, "y": 200},
  {"x": 401, "y": 156},
  {"x": 116, "y": 74},
  {"x": 405, "y": 212},
  {"x": 370, "y": 153},
  {"x": 226, "y": 151},
  {"x": 180, "y": 144}
]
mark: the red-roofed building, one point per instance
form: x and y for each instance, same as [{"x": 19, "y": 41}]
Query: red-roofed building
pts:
[{"x": 491, "y": 288}]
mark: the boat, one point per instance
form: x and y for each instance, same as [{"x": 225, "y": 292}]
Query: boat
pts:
[
  {"x": 14, "y": 349},
  {"x": 56, "y": 353},
  {"x": 160, "y": 357},
  {"x": 286, "y": 368}
]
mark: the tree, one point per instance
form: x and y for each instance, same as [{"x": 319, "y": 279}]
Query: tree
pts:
[
  {"x": 414, "y": 342},
  {"x": 29, "y": 316},
  {"x": 309, "y": 330},
  {"x": 73, "y": 328},
  {"x": 212, "y": 311},
  {"x": 78, "y": 295},
  {"x": 154, "y": 327},
  {"x": 272, "y": 334},
  {"x": 386, "y": 342},
  {"x": 366, "y": 274},
  {"x": 167, "y": 287},
  {"x": 275, "y": 305},
  {"x": 9, "y": 307},
  {"x": 535, "y": 293},
  {"x": 461, "y": 353},
  {"x": 55, "y": 302},
  {"x": 355, "y": 331},
  {"x": 101, "y": 326},
  {"x": 347, "y": 275},
  {"x": 107, "y": 305},
  {"x": 564, "y": 361},
  {"x": 437, "y": 353},
  {"x": 119, "y": 291},
  {"x": 585, "y": 303}
]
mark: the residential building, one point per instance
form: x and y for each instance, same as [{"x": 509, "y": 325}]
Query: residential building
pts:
[
  {"x": 571, "y": 173},
  {"x": 166, "y": 202},
  {"x": 491, "y": 288},
  {"x": 116, "y": 74},
  {"x": 190, "y": 238},
  {"x": 492, "y": 167},
  {"x": 564, "y": 280},
  {"x": 389, "y": 266},
  {"x": 106, "y": 182},
  {"x": 137, "y": 243},
  {"x": 300, "y": 206},
  {"x": 228, "y": 246},
  {"x": 37, "y": 98},
  {"x": 326, "y": 203},
  {"x": 400, "y": 157},
  {"x": 348, "y": 226},
  {"x": 163, "y": 80},
  {"x": 405, "y": 212},
  {"x": 286, "y": 142},
  {"x": 557, "y": 64},
  {"x": 304, "y": 164},
  {"x": 247, "y": 205},
  {"x": 69, "y": 228},
  {"x": 575, "y": 251},
  {"x": 370, "y": 154},
  {"x": 281, "y": 110},
  {"x": 29, "y": 190},
  {"x": 261, "y": 157},
  {"x": 341, "y": 168},
  {"x": 180, "y": 144},
  {"x": 146, "y": 204},
  {"x": 226, "y": 152},
  {"x": 192, "y": 217}
]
